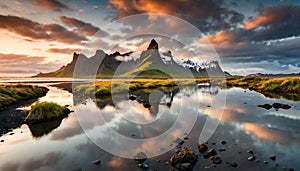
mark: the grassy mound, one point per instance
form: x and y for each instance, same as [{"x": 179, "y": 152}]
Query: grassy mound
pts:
[
  {"x": 44, "y": 111},
  {"x": 10, "y": 94}
]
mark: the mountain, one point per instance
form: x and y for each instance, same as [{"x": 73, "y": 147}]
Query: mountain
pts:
[
  {"x": 274, "y": 75},
  {"x": 149, "y": 64}
]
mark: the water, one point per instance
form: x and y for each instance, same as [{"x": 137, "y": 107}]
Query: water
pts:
[{"x": 70, "y": 143}]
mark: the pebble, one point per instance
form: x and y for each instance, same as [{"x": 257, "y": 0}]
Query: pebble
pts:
[
  {"x": 96, "y": 162},
  {"x": 202, "y": 148},
  {"x": 234, "y": 164},
  {"x": 143, "y": 166},
  {"x": 223, "y": 142},
  {"x": 273, "y": 158},
  {"x": 2, "y": 141},
  {"x": 222, "y": 149},
  {"x": 250, "y": 152},
  {"x": 251, "y": 158},
  {"x": 212, "y": 152},
  {"x": 265, "y": 162},
  {"x": 290, "y": 169},
  {"x": 217, "y": 160},
  {"x": 12, "y": 133},
  {"x": 166, "y": 163}
]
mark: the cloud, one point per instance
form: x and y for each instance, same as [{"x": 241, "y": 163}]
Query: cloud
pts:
[
  {"x": 64, "y": 50},
  {"x": 53, "y": 5},
  {"x": 207, "y": 15},
  {"x": 274, "y": 15},
  {"x": 86, "y": 29},
  {"x": 21, "y": 64},
  {"x": 35, "y": 30}
]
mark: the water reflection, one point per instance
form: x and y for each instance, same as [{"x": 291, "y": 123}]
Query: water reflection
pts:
[
  {"x": 67, "y": 147},
  {"x": 44, "y": 128}
]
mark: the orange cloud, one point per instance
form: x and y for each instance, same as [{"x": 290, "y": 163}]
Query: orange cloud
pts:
[
  {"x": 223, "y": 37},
  {"x": 51, "y": 5},
  {"x": 63, "y": 50},
  {"x": 271, "y": 15}
]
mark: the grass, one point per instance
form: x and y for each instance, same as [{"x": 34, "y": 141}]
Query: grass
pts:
[
  {"x": 105, "y": 88},
  {"x": 11, "y": 94},
  {"x": 42, "y": 111}
]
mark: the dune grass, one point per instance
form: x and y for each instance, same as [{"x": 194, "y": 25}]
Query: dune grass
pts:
[
  {"x": 11, "y": 94},
  {"x": 45, "y": 111}
]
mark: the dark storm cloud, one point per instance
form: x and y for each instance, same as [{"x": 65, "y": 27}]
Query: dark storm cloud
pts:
[
  {"x": 207, "y": 15},
  {"x": 35, "y": 30},
  {"x": 85, "y": 28},
  {"x": 53, "y": 5}
]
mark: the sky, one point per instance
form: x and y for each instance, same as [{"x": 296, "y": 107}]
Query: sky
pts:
[{"x": 248, "y": 36}]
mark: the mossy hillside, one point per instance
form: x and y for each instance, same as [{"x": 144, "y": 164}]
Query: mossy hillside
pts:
[{"x": 10, "y": 94}]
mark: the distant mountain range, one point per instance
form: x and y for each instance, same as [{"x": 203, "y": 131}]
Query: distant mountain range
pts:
[
  {"x": 149, "y": 64},
  {"x": 274, "y": 75}
]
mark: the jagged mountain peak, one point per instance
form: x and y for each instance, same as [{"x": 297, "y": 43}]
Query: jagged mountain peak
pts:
[{"x": 153, "y": 45}]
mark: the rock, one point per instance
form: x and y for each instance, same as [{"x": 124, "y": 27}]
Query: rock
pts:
[
  {"x": 202, "y": 148},
  {"x": 140, "y": 157},
  {"x": 213, "y": 143},
  {"x": 2, "y": 141},
  {"x": 133, "y": 134},
  {"x": 251, "y": 158},
  {"x": 273, "y": 158},
  {"x": 205, "y": 156},
  {"x": 222, "y": 149},
  {"x": 223, "y": 142},
  {"x": 186, "y": 157},
  {"x": 234, "y": 164},
  {"x": 266, "y": 106},
  {"x": 96, "y": 162},
  {"x": 143, "y": 166},
  {"x": 265, "y": 162},
  {"x": 132, "y": 97},
  {"x": 252, "y": 88},
  {"x": 290, "y": 169},
  {"x": 250, "y": 152},
  {"x": 212, "y": 152},
  {"x": 78, "y": 169},
  {"x": 153, "y": 45},
  {"x": 12, "y": 133},
  {"x": 282, "y": 106},
  {"x": 185, "y": 166},
  {"x": 217, "y": 160}
]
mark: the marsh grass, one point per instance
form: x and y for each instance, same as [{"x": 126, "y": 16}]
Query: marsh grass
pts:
[
  {"x": 10, "y": 94},
  {"x": 109, "y": 87},
  {"x": 45, "y": 111}
]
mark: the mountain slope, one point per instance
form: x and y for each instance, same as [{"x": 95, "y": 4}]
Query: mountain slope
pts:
[{"x": 149, "y": 64}]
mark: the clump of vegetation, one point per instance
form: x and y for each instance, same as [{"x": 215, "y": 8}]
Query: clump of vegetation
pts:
[
  {"x": 10, "y": 94},
  {"x": 101, "y": 89},
  {"x": 44, "y": 111}
]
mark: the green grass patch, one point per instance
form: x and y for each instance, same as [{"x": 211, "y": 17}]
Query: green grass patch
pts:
[
  {"x": 43, "y": 111},
  {"x": 10, "y": 94}
]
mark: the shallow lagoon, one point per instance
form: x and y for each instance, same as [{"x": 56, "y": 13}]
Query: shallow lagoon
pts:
[{"x": 64, "y": 145}]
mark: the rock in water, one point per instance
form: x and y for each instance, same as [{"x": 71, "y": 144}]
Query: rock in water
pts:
[
  {"x": 96, "y": 162},
  {"x": 223, "y": 142},
  {"x": 140, "y": 157},
  {"x": 202, "y": 148},
  {"x": 234, "y": 164},
  {"x": 273, "y": 158},
  {"x": 212, "y": 152},
  {"x": 282, "y": 106},
  {"x": 266, "y": 106},
  {"x": 251, "y": 158},
  {"x": 153, "y": 45},
  {"x": 217, "y": 160},
  {"x": 184, "y": 160}
]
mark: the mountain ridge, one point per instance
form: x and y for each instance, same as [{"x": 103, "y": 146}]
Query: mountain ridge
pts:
[{"x": 150, "y": 61}]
